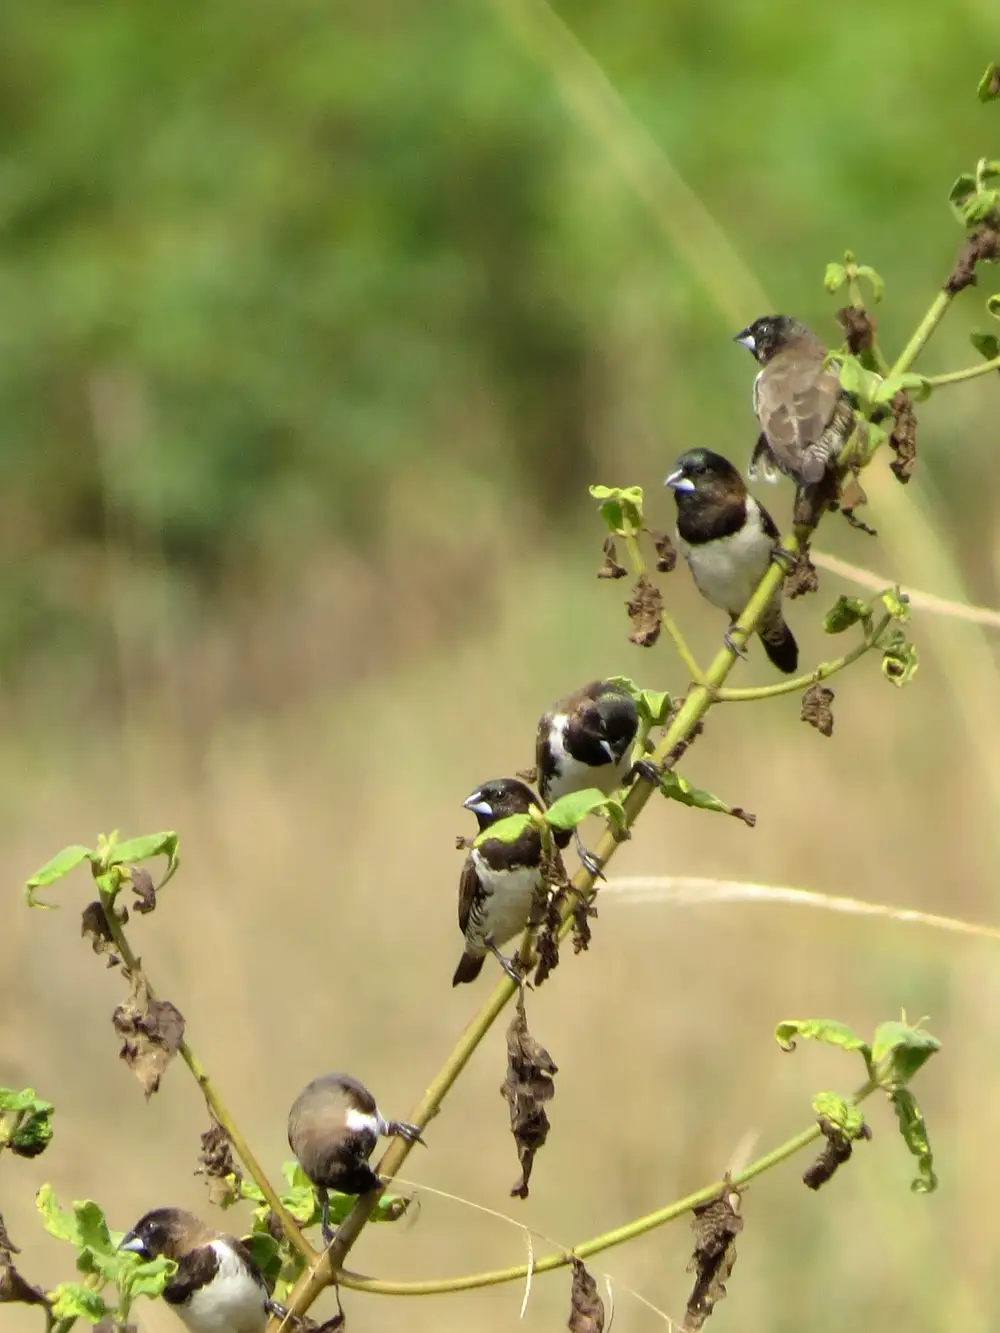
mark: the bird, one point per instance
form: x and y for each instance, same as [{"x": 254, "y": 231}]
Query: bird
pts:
[
  {"x": 499, "y": 879},
  {"x": 333, "y": 1127},
  {"x": 728, "y": 541},
  {"x": 805, "y": 416},
  {"x": 584, "y": 740},
  {"x": 217, "y": 1287}
]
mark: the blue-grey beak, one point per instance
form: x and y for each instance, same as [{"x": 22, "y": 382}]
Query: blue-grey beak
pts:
[
  {"x": 133, "y": 1243},
  {"x": 678, "y": 482},
  {"x": 746, "y": 339},
  {"x": 477, "y": 805}
]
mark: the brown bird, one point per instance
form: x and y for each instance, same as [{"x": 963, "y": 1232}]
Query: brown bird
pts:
[
  {"x": 499, "y": 879},
  {"x": 217, "y": 1287},
  {"x": 333, "y": 1127},
  {"x": 805, "y": 416}
]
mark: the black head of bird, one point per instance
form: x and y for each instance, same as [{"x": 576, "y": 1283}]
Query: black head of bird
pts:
[
  {"x": 771, "y": 334},
  {"x": 333, "y": 1127},
  {"x": 498, "y": 798}
]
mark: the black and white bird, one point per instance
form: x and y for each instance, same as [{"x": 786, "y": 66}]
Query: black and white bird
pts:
[
  {"x": 728, "y": 540},
  {"x": 333, "y": 1127},
  {"x": 217, "y": 1287},
  {"x": 805, "y": 416},
  {"x": 585, "y": 740},
  {"x": 499, "y": 879}
]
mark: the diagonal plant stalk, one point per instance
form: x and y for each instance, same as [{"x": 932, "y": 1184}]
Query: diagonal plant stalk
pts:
[
  {"x": 608, "y": 1239},
  {"x": 820, "y": 672},
  {"x": 697, "y": 702},
  {"x": 215, "y": 1103}
]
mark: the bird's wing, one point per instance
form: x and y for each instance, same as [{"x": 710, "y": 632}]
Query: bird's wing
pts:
[
  {"x": 795, "y": 404},
  {"x": 467, "y": 887},
  {"x": 242, "y": 1248},
  {"x": 194, "y": 1270}
]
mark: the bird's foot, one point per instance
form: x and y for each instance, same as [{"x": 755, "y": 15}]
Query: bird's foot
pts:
[
  {"x": 593, "y": 864},
  {"x": 738, "y": 648},
  {"x": 784, "y": 558},
  {"x": 645, "y": 769},
  {"x": 509, "y": 965},
  {"x": 402, "y": 1129}
]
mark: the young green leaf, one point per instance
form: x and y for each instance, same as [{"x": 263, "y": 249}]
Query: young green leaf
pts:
[
  {"x": 58, "y": 1222},
  {"x": 964, "y": 188},
  {"x": 508, "y": 829},
  {"x": 917, "y": 386},
  {"x": 92, "y": 1228},
  {"x": 845, "y": 612},
  {"x": 989, "y": 84},
  {"x": 61, "y": 864},
  {"x": 569, "y": 810},
  {"x": 875, "y": 279},
  {"x": 986, "y": 344},
  {"x": 145, "y": 848},
  {"x": 899, "y": 660},
  {"x": 25, "y": 1122},
  {"x": 834, "y": 278},
  {"x": 820, "y": 1029},
  {"x": 914, "y": 1132},
  {"x": 898, "y": 1051},
  {"x": 896, "y": 603},
  {"x": 856, "y": 380},
  {"x": 652, "y": 705},
  {"x": 144, "y": 1277},
  {"x": 677, "y": 788},
  {"x": 72, "y": 1300},
  {"x": 620, "y": 506},
  {"x": 847, "y": 1117},
  {"x": 266, "y": 1254}
]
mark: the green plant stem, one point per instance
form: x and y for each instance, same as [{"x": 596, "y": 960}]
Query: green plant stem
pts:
[
  {"x": 697, "y": 703},
  {"x": 683, "y": 651},
  {"x": 215, "y": 1102},
  {"x": 821, "y": 672},
  {"x": 597, "y": 1244},
  {"x": 969, "y": 373}
]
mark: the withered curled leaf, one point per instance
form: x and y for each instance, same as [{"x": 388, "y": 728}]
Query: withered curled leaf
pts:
[
  {"x": 143, "y": 888},
  {"x": 835, "y": 1152},
  {"x": 666, "y": 552},
  {"x": 644, "y": 608},
  {"x": 981, "y": 246},
  {"x": 94, "y": 927},
  {"x": 612, "y": 568},
  {"x": 816, "y": 708},
  {"x": 859, "y": 328},
  {"x": 803, "y": 578},
  {"x": 903, "y": 437},
  {"x": 852, "y": 497},
  {"x": 216, "y": 1162},
  {"x": 151, "y": 1031},
  {"x": 527, "y": 1087},
  {"x": 14, "y": 1289},
  {"x": 586, "y": 1309},
  {"x": 716, "y": 1225}
]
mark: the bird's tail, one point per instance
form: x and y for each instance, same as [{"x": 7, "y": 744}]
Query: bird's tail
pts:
[
  {"x": 780, "y": 646},
  {"x": 469, "y": 967}
]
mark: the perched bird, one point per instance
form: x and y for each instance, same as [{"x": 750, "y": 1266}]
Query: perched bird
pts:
[
  {"x": 804, "y": 414},
  {"x": 217, "y": 1287},
  {"x": 584, "y": 741},
  {"x": 728, "y": 540},
  {"x": 333, "y": 1127},
  {"x": 499, "y": 879}
]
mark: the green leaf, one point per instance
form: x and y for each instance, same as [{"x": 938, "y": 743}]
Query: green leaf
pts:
[
  {"x": 914, "y": 1132},
  {"x": 899, "y": 660},
  {"x": 144, "y": 848},
  {"x": 845, "y": 612},
  {"x": 72, "y": 1300},
  {"x": 620, "y": 505},
  {"x": 145, "y": 1277},
  {"x": 834, "y": 278},
  {"x": 982, "y": 207},
  {"x": 59, "y": 1222},
  {"x": 820, "y": 1029},
  {"x": 840, "y": 1112},
  {"x": 986, "y": 344},
  {"x": 993, "y": 305},
  {"x": 266, "y": 1253},
  {"x": 61, "y": 864},
  {"x": 898, "y": 1051},
  {"x": 917, "y": 386},
  {"x": 677, "y": 788},
  {"x": 875, "y": 279},
  {"x": 964, "y": 188},
  {"x": 856, "y": 380},
  {"x": 989, "y": 84},
  {"x": 987, "y": 172},
  {"x": 28, "y": 1132},
  {"x": 652, "y": 705},
  {"x": 896, "y": 603},
  {"x": 569, "y": 810},
  {"x": 92, "y": 1228},
  {"x": 505, "y": 830}
]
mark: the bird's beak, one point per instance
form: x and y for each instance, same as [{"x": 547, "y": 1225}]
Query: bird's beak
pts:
[
  {"x": 678, "y": 482},
  {"x": 133, "y": 1243},
  {"x": 477, "y": 805},
  {"x": 606, "y": 747},
  {"x": 746, "y": 339}
]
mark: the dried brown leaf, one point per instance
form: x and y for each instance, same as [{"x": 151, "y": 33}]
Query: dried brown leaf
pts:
[
  {"x": 835, "y": 1152},
  {"x": 903, "y": 437},
  {"x": 980, "y": 246},
  {"x": 816, "y": 708},
  {"x": 803, "y": 579},
  {"x": 852, "y": 496},
  {"x": 151, "y": 1031},
  {"x": 586, "y": 1309},
  {"x": 527, "y": 1087},
  {"x": 611, "y": 569},
  {"x": 666, "y": 553},
  {"x": 14, "y": 1289},
  {"x": 546, "y": 910},
  {"x": 644, "y": 610},
  {"x": 143, "y": 888},
  {"x": 583, "y": 913},
  {"x": 216, "y": 1162},
  {"x": 94, "y": 927},
  {"x": 716, "y": 1225},
  {"x": 464, "y": 844},
  {"x": 528, "y": 775},
  {"x": 859, "y": 328}
]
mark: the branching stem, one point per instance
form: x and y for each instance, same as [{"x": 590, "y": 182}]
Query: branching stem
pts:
[
  {"x": 821, "y": 672},
  {"x": 969, "y": 373}
]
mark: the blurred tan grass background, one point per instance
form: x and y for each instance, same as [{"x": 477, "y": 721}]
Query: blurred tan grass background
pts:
[{"x": 318, "y": 328}]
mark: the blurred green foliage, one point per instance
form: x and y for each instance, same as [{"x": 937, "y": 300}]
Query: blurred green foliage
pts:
[{"x": 257, "y": 261}]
